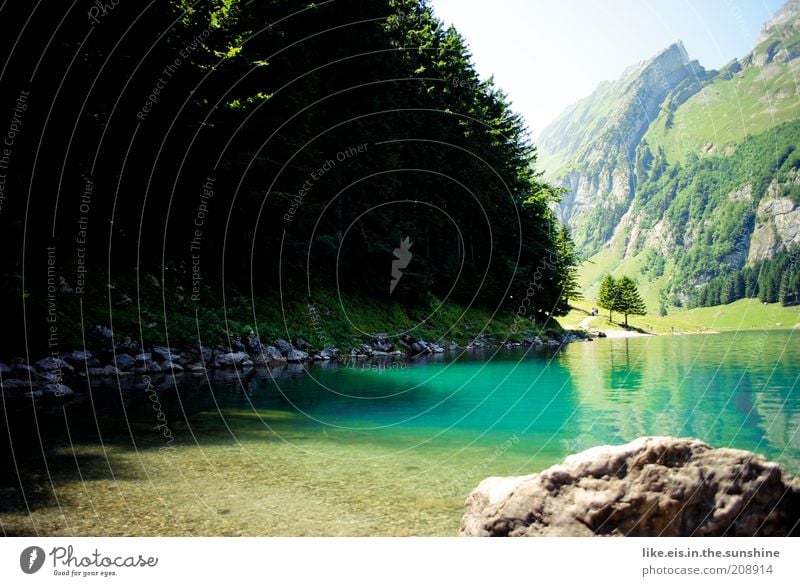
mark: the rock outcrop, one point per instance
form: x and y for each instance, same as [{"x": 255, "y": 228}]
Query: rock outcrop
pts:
[
  {"x": 653, "y": 486},
  {"x": 777, "y": 228}
]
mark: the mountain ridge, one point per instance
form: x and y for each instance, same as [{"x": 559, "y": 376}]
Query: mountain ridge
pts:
[{"x": 637, "y": 159}]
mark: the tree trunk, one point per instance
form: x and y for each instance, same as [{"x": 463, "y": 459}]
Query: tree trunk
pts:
[{"x": 626, "y": 320}]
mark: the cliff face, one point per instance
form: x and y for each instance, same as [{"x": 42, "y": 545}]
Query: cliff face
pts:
[
  {"x": 786, "y": 15},
  {"x": 595, "y": 143},
  {"x": 673, "y": 165}
]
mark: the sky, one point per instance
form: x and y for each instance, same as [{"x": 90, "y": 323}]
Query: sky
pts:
[{"x": 548, "y": 54}]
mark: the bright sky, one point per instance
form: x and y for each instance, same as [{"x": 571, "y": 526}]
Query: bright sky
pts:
[{"x": 549, "y": 54}]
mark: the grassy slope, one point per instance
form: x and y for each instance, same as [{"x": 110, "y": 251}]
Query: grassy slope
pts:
[
  {"x": 342, "y": 322},
  {"x": 745, "y": 314},
  {"x": 576, "y": 127},
  {"x": 608, "y": 261},
  {"x": 727, "y": 110}
]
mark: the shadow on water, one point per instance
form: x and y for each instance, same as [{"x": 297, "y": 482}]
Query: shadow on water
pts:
[
  {"x": 305, "y": 437},
  {"x": 45, "y": 445}
]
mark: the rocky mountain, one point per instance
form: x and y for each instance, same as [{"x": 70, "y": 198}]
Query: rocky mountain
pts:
[
  {"x": 591, "y": 145},
  {"x": 677, "y": 174}
]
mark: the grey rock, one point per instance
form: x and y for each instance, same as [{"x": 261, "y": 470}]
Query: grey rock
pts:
[
  {"x": 147, "y": 367},
  {"x": 283, "y": 346},
  {"x": 652, "y": 486},
  {"x": 126, "y": 345},
  {"x": 143, "y": 357},
  {"x": 420, "y": 346},
  {"x": 253, "y": 343},
  {"x": 271, "y": 353},
  {"x": 15, "y": 384},
  {"x": 168, "y": 366},
  {"x": 329, "y": 353},
  {"x": 48, "y": 377},
  {"x": 57, "y": 391},
  {"x": 5, "y": 369},
  {"x": 152, "y": 366},
  {"x": 295, "y": 355},
  {"x": 124, "y": 361},
  {"x": 163, "y": 353},
  {"x": 301, "y": 344},
  {"x": 78, "y": 358},
  {"x": 383, "y": 346},
  {"x": 51, "y": 364},
  {"x": 231, "y": 359},
  {"x": 23, "y": 371}
]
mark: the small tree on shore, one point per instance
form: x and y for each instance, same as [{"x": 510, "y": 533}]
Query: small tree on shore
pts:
[
  {"x": 629, "y": 301},
  {"x": 608, "y": 294}
]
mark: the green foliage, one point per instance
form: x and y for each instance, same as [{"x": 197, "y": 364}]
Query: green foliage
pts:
[
  {"x": 622, "y": 296},
  {"x": 607, "y": 296},
  {"x": 708, "y": 209},
  {"x": 771, "y": 281},
  {"x": 629, "y": 301},
  {"x": 332, "y": 131},
  {"x": 566, "y": 266}
]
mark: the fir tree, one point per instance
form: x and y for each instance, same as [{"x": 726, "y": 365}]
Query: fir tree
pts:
[
  {"x": 629, "y": 301},
  {"x": 607, "y": 296}
]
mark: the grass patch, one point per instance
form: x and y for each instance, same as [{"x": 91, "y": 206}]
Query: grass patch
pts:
[
  {"x": 744, "y": 314},
  {"x": 158, "y": 314}
]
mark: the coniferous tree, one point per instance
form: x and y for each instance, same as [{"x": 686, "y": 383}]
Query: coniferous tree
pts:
[
  {"x": 629, "y": 301},
  {"x": 567, "y": 267},
  {"x": 607, "y": 297}
]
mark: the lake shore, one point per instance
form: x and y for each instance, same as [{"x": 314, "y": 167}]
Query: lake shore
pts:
[{"x": 348, "y": 449}]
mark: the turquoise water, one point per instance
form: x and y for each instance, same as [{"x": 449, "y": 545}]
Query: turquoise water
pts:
[
  {"x": 738, "y": 390},
  {"x": 377, "y": 450}
]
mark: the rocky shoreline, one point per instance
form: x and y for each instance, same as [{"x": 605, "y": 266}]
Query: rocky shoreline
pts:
[{"x": 108, "y": 358}]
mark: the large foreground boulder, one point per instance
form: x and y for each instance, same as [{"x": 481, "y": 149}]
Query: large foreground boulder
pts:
[{"x": 653, "y": 486}]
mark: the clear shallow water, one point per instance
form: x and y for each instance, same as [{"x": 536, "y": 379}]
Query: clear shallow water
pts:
[{"x": 382, "y": 451}]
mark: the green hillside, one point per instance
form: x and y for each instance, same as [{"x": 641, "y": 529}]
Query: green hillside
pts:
[
  {"x": 707, "y": 193},
  {"x": 725, "y": 112}
]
